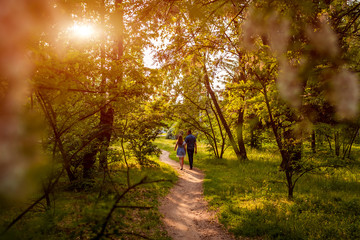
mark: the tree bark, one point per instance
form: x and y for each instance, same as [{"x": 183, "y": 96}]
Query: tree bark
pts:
[
  {"x": 239, "y": 131},
  {"x": 337, "y": 143},
  {"x": 106, "y": 125},
  {"x": 284, "y": 155},
  {"x": 89, "y": 161},
  {"x": 351, "y": 142},
  {"x": 223, "y": 142},
  {"x": 290, "y": 184},
  {"x": 329, "y": 141},
  {"x": 223, "y": 121},
  {"x": 313, "y": 141},
  {"x": 216, "y": 150},
  {"x": 107, "y": 114}
]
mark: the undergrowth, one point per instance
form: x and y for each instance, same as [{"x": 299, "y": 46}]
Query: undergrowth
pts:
[{"x": 78, "y": 212}]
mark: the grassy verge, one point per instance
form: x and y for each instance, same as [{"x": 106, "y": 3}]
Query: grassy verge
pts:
[
  {"x": 80, "y": 214},
  {"x": 251, "y": 197}
]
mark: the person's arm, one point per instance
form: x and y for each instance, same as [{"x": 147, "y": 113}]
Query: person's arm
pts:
[
  {"x": 195, "y": 147},
  {"x": 185, "y": 147},
  {"x": 175, "y": 146}
]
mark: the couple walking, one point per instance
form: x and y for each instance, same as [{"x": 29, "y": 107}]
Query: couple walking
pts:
[{"x": 188, "y": 145}]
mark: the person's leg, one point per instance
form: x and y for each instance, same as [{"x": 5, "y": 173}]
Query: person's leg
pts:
[
  {"x": 181, "y": 160},
  {"x": 191, "y": 156}
]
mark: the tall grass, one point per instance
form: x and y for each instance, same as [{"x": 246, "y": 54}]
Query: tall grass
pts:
[{"x": 251, "y": 198}]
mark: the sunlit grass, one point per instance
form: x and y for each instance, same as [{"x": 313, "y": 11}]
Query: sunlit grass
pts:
[{"x": 251, "y": 197}]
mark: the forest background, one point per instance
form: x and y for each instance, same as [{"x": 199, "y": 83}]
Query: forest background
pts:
[{"x": 270, "y": 88}]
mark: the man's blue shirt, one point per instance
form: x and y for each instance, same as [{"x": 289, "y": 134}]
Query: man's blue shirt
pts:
[{"x": 190, "y": 141}]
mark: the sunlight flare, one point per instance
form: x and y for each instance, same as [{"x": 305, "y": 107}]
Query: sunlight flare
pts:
[{"x": 82, "y": 30}]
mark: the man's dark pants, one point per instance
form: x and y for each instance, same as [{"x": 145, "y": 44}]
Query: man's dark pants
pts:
[{"x": 191, "y": 157}]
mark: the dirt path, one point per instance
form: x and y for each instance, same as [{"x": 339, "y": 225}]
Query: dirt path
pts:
[{"x": 185, "y": 211}]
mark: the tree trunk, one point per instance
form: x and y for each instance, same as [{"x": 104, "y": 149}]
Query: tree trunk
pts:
[
  {"x": 329, "y": 141},
  {"x": 215, "y": 147},
  {"x": 252, "y": 138},
  {"x": 294, "y": 151},
  {"x": 290, "y": 185},
  {"x": 106, "y": 124},
  {"x": 89, "y": 162},
  {"x": 351, "y": 142},
  {"x": 313, "y": 141},
  {"x": 255, "y": 132},
  {"x": 223, "y": 121},
  {"x": 67, "y": 164},
  {"x": 337, "y": 143},
  {"x": 239, "y": 131},
  {"x": 127, "y": 165},
  {"x": 223, "y": 142},
  {"x": 107, "y": 115},
  {"x": 290, "y": 150},
  {"x": 284, "y": 154},
  {"x": 47, "y": 197}
]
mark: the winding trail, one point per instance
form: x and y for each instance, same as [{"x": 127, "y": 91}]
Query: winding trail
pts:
[{"x": 185, "y": 211}]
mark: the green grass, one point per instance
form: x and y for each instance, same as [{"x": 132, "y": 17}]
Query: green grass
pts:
[
  {"x": 80, "y": 214},
  {"x": 251, "y": 198}
]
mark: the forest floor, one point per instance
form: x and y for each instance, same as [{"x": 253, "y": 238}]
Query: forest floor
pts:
[{"x": 186, "y": 214}]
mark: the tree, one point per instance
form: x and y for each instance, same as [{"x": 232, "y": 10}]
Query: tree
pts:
[
  {"x": 289, "y": 52},
  {"x": 296, "y": 78},
  {"x": 196, "y": 111},
  {"x": 193, "y": 39}
]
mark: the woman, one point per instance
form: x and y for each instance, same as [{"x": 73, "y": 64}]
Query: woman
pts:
[{"x": 181, "y": 151}]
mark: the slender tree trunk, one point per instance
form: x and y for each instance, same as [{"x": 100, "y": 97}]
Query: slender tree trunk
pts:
[
  {"x": 127, "y": 165},
  {"x": 106, "y": 125},
  {"x": 337, "y": 143},
  {"x": 351, "y": 142},
  {"x": 252, "y": 139},
  {"x": 47, "y": 197},
  {"x": 223, "y": 121},
  {"x": 329, "y": 141},
  {"x": 290, "y": 184},
  {"x": 67, "y": 164},
  {"x": 90, "y": 157},
  {"x": 284, "y": 155},
  {"x": 223, "y": 142},
  {"x": 222, "y": 148},
  {"x": 107, "y": 115},
  {"x": 291, "y": 154},
  {"x": 294, "y": 150},
  {"x": 313, "y": 141},
  {"x": 216, "y": 150},
  {"x": 51, "y": 116},
  {"x": 239, "y": 131}
]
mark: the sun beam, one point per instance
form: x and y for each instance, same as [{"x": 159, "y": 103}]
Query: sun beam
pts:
[{"x": 82, "y": 30}]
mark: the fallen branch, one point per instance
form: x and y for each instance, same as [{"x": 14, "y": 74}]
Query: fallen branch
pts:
[{"x": 51, "y": 187}]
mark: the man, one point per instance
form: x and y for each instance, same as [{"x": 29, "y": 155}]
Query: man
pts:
[{"x": 190, "y": 147}]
